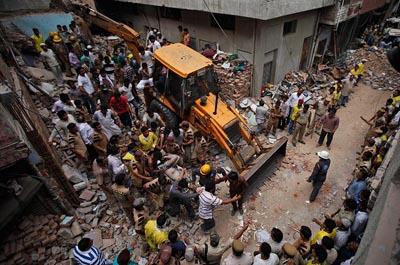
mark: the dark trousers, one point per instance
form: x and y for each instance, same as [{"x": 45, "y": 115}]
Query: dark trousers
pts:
[
  {"x": 208, "y": 224},
  {"x": 322, "y": 138},
  {"x": 89, "y": 103},
  {"x": 174, "y": 209},
  {"x": 237, "y": 204},
  {"x": 136, "y": 106},
  {"x": 282, "y": 123},
  {"x": 344, "y": 100},
  {"x": 316, "y": 187},
  {"x": 92, "y": 152},
  {"x": 125, "y": 119}
]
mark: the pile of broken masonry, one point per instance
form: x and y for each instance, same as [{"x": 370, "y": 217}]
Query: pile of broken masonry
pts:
[
  {"x": 379, "y": 73},
  {"x": 49, "y": 239}
]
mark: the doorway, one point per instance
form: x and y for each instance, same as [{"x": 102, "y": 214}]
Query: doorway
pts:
[
  {"x": 269, "y": 67},
  {"x": 305, "y": 54}
]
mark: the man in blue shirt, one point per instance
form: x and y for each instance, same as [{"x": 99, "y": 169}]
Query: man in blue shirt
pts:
[
  {"x": 357, "y": 186},
  {"x": 319, "y": 173}
]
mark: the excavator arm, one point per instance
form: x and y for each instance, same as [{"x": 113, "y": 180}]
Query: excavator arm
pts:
[{"x": 128, "y": 34}]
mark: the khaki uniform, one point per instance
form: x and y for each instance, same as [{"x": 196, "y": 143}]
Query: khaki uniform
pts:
[{"x": 301, "y": 124}]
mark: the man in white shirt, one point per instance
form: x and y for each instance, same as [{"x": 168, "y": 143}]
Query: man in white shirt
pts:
[
  {"x": 60, "y": 127},
  {"x": 51, "y": 61},
  {"x": 146, "y": 57},
  {"x": 265, "y": 256},
  {"x": 150, "y": 117},
  {"x": 294, "y": 98},
  {"x": 261, "y": 116},
  {"x": 64, "y": 103},
  {"x": 86, "y": 87},
  {"x": 348, "y": 84},
  {"x": 207, "y": 203},
  {"x": 360, "y": 220},
  {"x": 153, "y": 44},
  {"x": 342, "y": 233},
  {"x": 115, "y": 165},
  {"x": 86, "y": 132}
]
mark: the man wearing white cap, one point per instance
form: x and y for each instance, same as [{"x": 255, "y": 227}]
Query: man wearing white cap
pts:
[{"x": 319, "y": 173}]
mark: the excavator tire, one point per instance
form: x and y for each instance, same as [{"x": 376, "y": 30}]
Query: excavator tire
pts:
[{"x": 170, "y": 118}]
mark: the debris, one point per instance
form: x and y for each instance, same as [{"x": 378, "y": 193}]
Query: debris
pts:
[
  {"x": 76, "y": 229},
  {"x": 87, "y": 195},
  {"x": 40, "y": 74}
]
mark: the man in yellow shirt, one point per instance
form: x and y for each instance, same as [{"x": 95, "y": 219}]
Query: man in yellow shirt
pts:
[
  {"x": 148, "y": 140},
  {"x": 154, "y": 232},
  {"x": 328, "y": 228},
  {"x": 358, "y": 71},
  {"x": 37, "y": 40},
  {"x": 396, "y": 98},
  {"x": 293, "y": 115}
]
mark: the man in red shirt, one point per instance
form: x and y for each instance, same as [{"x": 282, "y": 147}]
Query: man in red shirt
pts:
[
  {"x": 330, "y": 123},
  {"x": 120, "y": 105}
]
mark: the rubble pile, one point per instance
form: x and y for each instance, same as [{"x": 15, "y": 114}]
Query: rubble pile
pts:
[
  {"x": 49, "y": 239},
  {"x": 379, "y": 73},
  {"x": 234, "y": 79},
  {"x": 17, "y": 37}
]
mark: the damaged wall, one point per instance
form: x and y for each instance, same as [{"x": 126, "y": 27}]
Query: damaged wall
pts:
[
  {"x": 283, "y": 50},
  {"x": 45, "y": 22},
  {"x": 200, "y": 28},
  {"x": 21, "y": 5}
]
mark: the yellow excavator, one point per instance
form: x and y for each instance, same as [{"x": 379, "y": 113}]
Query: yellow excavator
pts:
[{"x": 186, "y": 88}]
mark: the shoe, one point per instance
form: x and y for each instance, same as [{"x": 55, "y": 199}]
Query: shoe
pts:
[
  {"x": 307, "y": 201},
  {"x": 233, "y": 212},
  {"x": 241, "y": 211},
  {"x": 302, "y": 142},
  {"x": 318, "y": 145},
  {"x": 294, "y": 144},
  {"x": 329, "y": 148}
]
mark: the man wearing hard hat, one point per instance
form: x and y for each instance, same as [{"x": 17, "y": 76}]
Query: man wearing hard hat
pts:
[
  {"x": 319, "y": 173},
  {"x": 206, "y": 174}
]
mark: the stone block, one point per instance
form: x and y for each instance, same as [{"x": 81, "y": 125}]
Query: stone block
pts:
[
  {"x": 76, "y": 229},
  {"x": 87, "y": 195}
]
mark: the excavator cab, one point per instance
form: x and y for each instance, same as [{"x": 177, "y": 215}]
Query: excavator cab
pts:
[
  {"x": 183, "y": 92},
  {"x": 186, "y": 88}
]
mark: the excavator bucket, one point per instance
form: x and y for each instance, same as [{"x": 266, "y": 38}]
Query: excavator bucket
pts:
[{"x": 265, "y": 164}]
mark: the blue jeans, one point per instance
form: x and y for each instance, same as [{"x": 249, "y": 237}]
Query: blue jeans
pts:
[
  {"x": 292, "y": 126},
  {"x": 344, "y": 100}
]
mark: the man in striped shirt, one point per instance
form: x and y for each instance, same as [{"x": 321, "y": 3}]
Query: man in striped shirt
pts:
[
  {"x": 86, "y": 254},
  {"x": 207, "y": 203}
]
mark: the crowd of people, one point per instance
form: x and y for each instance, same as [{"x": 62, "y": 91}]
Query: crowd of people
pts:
[
  {"x": 156, "y": 173},
  {"x": 314, "y": 116}
]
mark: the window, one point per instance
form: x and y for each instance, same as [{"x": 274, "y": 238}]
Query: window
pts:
[
  {"x": 171, "y": 13},
  {"x": 289, "y": 27},
  {"x": 225, "y": 21}
]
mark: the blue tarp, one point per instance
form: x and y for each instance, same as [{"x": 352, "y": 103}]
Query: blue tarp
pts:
[{"x": 45, "y": 22}]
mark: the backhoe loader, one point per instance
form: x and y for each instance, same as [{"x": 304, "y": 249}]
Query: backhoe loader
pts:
[{"x": 186, "y": 88}]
